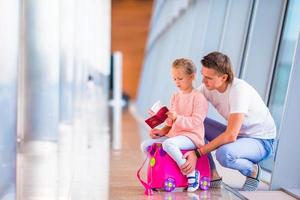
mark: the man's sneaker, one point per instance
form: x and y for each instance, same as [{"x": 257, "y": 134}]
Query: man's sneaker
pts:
[
  {"x": 193, "y": 182},
  {"x": 251, "y": 184},
  {"x": 216, "y": 183}
]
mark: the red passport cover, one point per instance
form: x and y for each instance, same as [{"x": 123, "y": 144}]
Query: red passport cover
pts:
[{"x": 158, "y": 118}]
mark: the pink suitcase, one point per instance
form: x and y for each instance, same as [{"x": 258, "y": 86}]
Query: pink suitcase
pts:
[{"x": 163, "y": 172}]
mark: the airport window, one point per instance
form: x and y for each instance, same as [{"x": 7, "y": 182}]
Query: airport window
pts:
[{"x": 285, "y": 60}]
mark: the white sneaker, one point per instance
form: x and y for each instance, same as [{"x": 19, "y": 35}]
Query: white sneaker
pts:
[{"x": 193, "y": 182}]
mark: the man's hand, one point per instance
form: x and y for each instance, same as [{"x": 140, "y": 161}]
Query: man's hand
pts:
[
  {"x": 156, "y": 133},
  {"x": 190, "y": 164}
]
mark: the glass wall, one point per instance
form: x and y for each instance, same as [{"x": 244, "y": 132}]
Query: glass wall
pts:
[
  {"x": 285, "y": 59},
  {"x": 283, "y": 66}
]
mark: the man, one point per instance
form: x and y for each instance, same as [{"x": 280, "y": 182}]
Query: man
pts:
[{"x": 250, "y": 132}]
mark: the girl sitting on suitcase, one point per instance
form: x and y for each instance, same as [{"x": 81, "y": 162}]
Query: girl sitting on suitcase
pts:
[{"x": 184, "y": 127}]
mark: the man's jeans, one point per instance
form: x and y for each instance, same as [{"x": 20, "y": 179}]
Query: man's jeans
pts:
[{"x": 241, "y": 154}]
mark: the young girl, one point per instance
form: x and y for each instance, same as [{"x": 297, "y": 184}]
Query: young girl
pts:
[{"x": 184, "y": 129}]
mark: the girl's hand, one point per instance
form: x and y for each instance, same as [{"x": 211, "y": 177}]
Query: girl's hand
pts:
[
  {"x": 169, "y": 122},
  {"x": 155, "y": 133},
  {"x": 172, "y": 115}
]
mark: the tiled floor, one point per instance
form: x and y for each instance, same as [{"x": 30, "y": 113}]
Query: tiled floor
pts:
[
  {"x": 264, "y": 195},
  {"x": 76, "y": 167}
]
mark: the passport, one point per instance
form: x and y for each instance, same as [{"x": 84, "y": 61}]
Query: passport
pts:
[{"x": 159, "y": 115}]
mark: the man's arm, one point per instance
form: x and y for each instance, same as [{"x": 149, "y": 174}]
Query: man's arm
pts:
[{"x": 235, "y": 121}]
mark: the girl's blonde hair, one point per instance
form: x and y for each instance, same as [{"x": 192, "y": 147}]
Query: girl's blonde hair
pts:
[{"x": 187, "y": 64}]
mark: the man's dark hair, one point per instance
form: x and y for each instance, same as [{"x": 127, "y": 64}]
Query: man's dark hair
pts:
[{"x": 220, "y": 63}]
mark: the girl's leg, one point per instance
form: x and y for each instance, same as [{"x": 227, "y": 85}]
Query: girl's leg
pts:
[
  {"x": 145, "y": 144},
  {"x": 173, "y": 146}
]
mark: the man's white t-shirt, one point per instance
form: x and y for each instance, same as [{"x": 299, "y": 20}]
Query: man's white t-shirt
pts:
[{"x": 240, "y": 97}]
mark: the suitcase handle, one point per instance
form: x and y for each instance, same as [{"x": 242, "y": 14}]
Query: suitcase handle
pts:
[{"x": 148, "y": 189}]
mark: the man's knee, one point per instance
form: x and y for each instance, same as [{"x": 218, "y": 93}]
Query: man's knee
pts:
[{"x": 224, "y": 156}]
